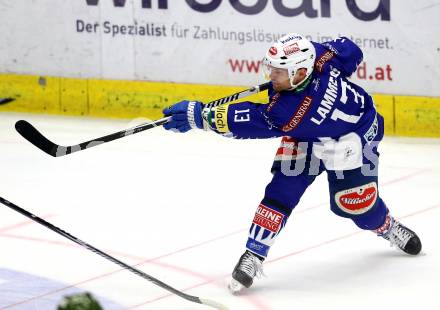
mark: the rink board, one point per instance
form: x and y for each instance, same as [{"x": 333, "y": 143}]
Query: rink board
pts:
[{"x": 404, "y": 115}]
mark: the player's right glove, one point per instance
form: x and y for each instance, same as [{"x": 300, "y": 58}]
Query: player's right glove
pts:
[{"x": 185, "y": 115}]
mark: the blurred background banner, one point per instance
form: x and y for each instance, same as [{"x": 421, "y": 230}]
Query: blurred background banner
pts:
[{"x": 219, "y": 42}]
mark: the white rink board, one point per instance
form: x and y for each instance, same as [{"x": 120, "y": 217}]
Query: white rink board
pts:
[
  {"x": 222, "y": 45},
  {"x": 182, "y": 204}
]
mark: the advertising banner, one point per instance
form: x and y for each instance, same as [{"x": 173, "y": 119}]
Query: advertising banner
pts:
[{"x": 217, "y": 42}]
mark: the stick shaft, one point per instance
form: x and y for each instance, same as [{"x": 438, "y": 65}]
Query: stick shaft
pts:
[
  {"x": 97, "y": 251},
  {"x": 31, "y": 134}
]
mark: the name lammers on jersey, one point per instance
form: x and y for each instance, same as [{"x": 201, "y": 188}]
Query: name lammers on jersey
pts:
[
  {"x": 268, "y": 218},
  {"x": 329, "y": 98}
]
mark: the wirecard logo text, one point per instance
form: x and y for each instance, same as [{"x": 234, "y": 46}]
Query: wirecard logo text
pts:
[
  {"x": 145, "y": 4},
  {"x": 307, "y": 7}
]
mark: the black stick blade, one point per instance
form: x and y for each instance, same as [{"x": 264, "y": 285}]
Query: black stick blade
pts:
[
  {"x": 30, "y": 133},
  {"x": 6, "y": 100}
]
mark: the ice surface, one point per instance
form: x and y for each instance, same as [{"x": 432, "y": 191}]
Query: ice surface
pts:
[{"x": 178, "y": 207}]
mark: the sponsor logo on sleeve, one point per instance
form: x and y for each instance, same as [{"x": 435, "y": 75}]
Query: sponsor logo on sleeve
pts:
[
  {"x": 221, "y": 118},
  {"x": 357, "y": 200},
  {"x": 372, "y": 131},
  {"x": 299, "y": 114}
]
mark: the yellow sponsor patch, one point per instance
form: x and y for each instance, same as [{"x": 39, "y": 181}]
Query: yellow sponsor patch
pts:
[{"x": 221, "y": 118}]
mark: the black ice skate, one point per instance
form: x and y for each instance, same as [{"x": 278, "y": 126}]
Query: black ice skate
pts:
[
  {"x": 248, "y": 267},
  {"x": 401, "y": 236}
]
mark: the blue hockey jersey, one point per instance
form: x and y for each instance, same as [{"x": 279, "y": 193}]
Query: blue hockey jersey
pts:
[{"x": 329, "y": 106}]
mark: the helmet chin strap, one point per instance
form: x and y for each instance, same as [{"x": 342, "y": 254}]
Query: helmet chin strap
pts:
[
  {"x": 295, "y": 86},
  {"x": 301, "y": 84}
]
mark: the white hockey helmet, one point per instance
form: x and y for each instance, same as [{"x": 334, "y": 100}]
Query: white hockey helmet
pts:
[{"x": 292, "y": 52}]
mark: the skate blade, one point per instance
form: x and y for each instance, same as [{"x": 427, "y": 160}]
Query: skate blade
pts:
[{"x": 235, "y": 287}]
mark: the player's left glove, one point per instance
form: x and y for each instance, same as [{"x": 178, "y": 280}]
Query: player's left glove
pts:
[{"x": 185, "y": 115}]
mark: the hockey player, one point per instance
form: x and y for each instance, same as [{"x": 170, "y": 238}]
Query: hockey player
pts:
[{"x": 327, "y": 123}]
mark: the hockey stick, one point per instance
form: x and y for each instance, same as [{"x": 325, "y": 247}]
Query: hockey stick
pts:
[
  {"x": 31, "y": 134},
  {"x": 140, "y": 273}
]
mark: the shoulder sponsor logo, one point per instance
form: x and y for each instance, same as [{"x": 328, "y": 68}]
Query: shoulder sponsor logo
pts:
[
  {"x": 319, "y": 64},
  {"x": 268, "y": 218},
  {"x": 357, "y": 200},
  {"x": 331, "y": 47},
  {"x": 299, "y": 114}
]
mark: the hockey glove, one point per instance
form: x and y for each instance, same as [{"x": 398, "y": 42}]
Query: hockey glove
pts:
[{"x": 185, "y": 115}]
